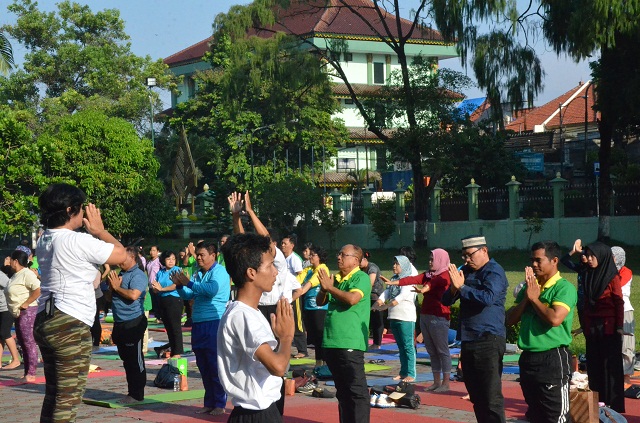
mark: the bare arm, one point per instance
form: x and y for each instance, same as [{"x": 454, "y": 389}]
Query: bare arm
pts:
[
  {"x": 115, "y": 282},
  {"x": 94, "y": 225},
  {"x": 235, "y": 206},
  {"x": 327, "y": 287},
  {"x": 34, "y": 295},
  {"x": 277, "y": 362},
  {"x": 257, "y": 224}
]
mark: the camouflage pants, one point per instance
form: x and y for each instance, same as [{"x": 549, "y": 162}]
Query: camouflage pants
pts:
[{"x": 65, "y": 345}]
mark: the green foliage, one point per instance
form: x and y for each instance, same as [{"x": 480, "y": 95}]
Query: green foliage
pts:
[
  {"x": 382, "y": 216},
  {"x": 6, "y": 55},
  {"x": 266, "y": 96},
  {"x": 279, "y": 203},
  {"x": 77, "y": 60},
  {"x": 331, "y": 221},
  {"x": 20, "y": 175},
  {"x": 534, "y": 225},
  {"x": 105, "y": 158}
]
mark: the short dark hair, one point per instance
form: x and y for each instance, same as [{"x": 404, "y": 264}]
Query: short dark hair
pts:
[
  {"x": 132, "y": 251},
  {"x": 293, "y": 238},
  {"x": 21, "y": 257},
  {"x": 308, "y": 245},
  {"x": 321, "y": 252},
  {"x": 242, "y": 252},
  {"x": 211, "y": 247},
  {"x": 165, "y": 255},
  {"x": 55, "y": 200},
  {"x": 409, "y": 253},
  {"x": 551, "y": 249}
]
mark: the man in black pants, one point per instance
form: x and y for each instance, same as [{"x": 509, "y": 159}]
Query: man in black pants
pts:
[
  {"x": 544, "y": 306},
  {"x": 130, "y": 323},
  {"x": 481, "y": 286}
]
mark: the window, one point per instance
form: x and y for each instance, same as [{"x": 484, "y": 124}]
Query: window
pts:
[
  {"x": 334, "y": 55},
  {"x": 348, "y": 101},
  {"x": 348, "y": 57},
  {"x": 345, "y": 165},
  {"x": 378, "y": 73}
]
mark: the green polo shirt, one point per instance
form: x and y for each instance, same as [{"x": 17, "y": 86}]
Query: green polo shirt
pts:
[
  {"x": 536, "y": 335},
  {"x": 347, "y": 327}
]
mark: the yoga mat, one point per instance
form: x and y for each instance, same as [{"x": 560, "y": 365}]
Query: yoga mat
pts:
[
  {"x": 369, "y": 367},
  {"x": 384, "y": 381},
  {"x": 302, "y": 361},
  {"x": 113, "y": 348},
  {"x": 149, "y": 355},
  {"x": 511, "y": 370},
  {"x": 149, "y": 399},
  {"x": 384, "y": 357},
  {"x": 41, "y": 379},
  {"x": 161, "y": 361}
]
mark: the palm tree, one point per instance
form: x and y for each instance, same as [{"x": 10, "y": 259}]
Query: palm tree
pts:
[{"x": 6, "y": 55}]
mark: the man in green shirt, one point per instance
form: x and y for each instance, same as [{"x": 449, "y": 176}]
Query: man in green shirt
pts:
[
  {"x": 346, "y": 332},
  {"x": 544, "y": 307}
]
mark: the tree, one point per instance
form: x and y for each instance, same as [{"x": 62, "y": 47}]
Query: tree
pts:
[
  {"x": 6, "y": 55},
  {"x": 105, "y": 158},
  {"x": 382, "y": 215},
  {"x": 384, "y": 21},
  {"x": 76, "y": 60},
  {"x": 20, "y": 175},
  {"x": 331, "y": 221},
  {"x": 262, "y": 98}
]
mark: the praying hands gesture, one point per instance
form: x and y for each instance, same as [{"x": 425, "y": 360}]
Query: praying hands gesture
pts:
[
  {"x": 457, "y": 277},
  {"x": 533, "y": 288},
  {"x": 114, "y": 280},
  {"x": 179, "y": 278}
]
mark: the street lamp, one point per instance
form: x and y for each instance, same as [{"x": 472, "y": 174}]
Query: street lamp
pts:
[{"x": 151, "y": 82}]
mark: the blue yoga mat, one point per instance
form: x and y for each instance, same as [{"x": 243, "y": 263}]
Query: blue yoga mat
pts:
[{"x": 511, "y": 370}]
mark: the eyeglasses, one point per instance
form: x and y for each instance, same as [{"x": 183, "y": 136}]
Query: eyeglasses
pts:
[
  {"x": 468, "y": 256},
  {"x": 341, "y": 254},
  {"x": 313, "y": 255}
]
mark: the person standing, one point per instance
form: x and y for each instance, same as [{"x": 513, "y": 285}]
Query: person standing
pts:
[
  {"x": 294, "y": 266},
  {"x": 6, "y": 322},
  {"x": 69, "y": 263},
  {"x": 481, "y": 286},
  {"x": 544, "y": 307},
  {"x": 130, "y": 323},
  {"x": 209, "y": 288},
  {"x": 629, "y": 325},
  {"x": 346, "y": 332},
  {"x": 604, "y": 326},
  {"x": 254, "y": 353},
  {"x": 376, "y": 317}
]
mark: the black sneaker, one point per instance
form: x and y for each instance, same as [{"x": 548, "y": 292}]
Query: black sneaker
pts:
[{"x": 160, "y": 351}]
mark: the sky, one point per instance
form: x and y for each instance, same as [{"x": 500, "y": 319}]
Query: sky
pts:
[{"x": 159, "y": 28}]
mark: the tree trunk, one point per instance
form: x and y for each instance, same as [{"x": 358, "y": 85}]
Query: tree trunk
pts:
[{"x": 420, "y": 204}]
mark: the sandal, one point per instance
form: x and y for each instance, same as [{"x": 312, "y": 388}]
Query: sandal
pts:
[{"x": 300, "y": 355}]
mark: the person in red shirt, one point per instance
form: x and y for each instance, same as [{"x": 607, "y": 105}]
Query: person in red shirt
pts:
[
  {"x": 603, "y": 330},
  {"x": 434, "y": 316}
]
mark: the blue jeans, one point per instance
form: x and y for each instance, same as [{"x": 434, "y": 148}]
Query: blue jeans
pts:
[
  {"x": 403, "y": 332},
  {"x": 482, "y": 369}
]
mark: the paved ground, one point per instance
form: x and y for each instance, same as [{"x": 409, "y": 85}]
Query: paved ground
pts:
[{"x": 22, "y": 403}]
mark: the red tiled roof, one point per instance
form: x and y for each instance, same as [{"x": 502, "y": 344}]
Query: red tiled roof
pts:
[
  {"x": 548, "y": 115},
  {"x": 190, "y": 54},
  {"x": 363, "y": 136},
  {"x": 316, "y": 17},
  {"x": 341, "y": 91},
  {"x": 479, "y": 111},
  {"x": 339, "y": 179}
]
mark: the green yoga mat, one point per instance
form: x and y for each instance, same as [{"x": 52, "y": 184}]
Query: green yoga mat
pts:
[
  {"x": 302, "y": 361},
  {"x": 508, "y": 358},
  {"x": 150, "y": 399},
  {"x": 369, "y": 367}
]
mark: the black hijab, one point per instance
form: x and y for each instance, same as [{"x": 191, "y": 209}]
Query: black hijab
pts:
[{"x": 596, "y": 280}]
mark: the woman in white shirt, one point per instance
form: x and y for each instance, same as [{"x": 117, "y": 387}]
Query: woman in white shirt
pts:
[
  {"x": 22, "y": 294},
  {"x": 69, "y": 265},
  {"x": 400, "y": 301}
]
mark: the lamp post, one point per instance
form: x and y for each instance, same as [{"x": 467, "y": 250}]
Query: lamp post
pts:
[{"x": 151, "y": 82}]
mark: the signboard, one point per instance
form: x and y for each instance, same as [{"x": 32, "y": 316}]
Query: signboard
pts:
[
  {"x": 596, "y": 168},
  {"x": 534, "y": 162}
]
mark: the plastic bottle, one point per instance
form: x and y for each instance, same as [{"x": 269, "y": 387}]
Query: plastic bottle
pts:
[{"x": 176, "y": 383}]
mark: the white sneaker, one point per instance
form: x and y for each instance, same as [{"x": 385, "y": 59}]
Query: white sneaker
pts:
[
  {"x": 385, "y": 402},
  {"x": 374, "y": 400}
]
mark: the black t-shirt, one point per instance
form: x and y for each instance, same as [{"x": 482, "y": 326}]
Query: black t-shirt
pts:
[{"x": 378, "y": 285}]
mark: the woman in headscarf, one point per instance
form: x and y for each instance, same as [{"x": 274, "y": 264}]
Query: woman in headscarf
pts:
[
  {"x": 629, "y": 325},
  {"x": 603, "y": 330},
  {"x": 434, "y": 316},
  {"x": 402, "y": 317}
]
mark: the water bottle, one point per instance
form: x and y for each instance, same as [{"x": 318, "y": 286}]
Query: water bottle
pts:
[{"x": 176, "y": 383}]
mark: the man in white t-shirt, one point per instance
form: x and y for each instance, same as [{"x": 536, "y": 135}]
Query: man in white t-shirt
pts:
[
  {"x": 294, "y": 266},
  {"x": 251, "y": 361}
]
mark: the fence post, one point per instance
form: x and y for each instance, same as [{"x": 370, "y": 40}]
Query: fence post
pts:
[
  {"x": 558, "y": 183},
  {"x": 435, "y": 203},
  {"x": 399, "y": 192},
  {"x": 513, "y": 186},
  {"x": 472, "y": 190},
  {"x": 335, "y": 196},
  {"x": 366, "y": 203}
]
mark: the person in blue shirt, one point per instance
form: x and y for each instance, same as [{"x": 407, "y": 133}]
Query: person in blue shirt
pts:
[
  {"x": 130, "y": 323},
  {"x": 209, "y": 287},
  {"x": 481, "y": 286},
  {"x": 169, "y": 303}
]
